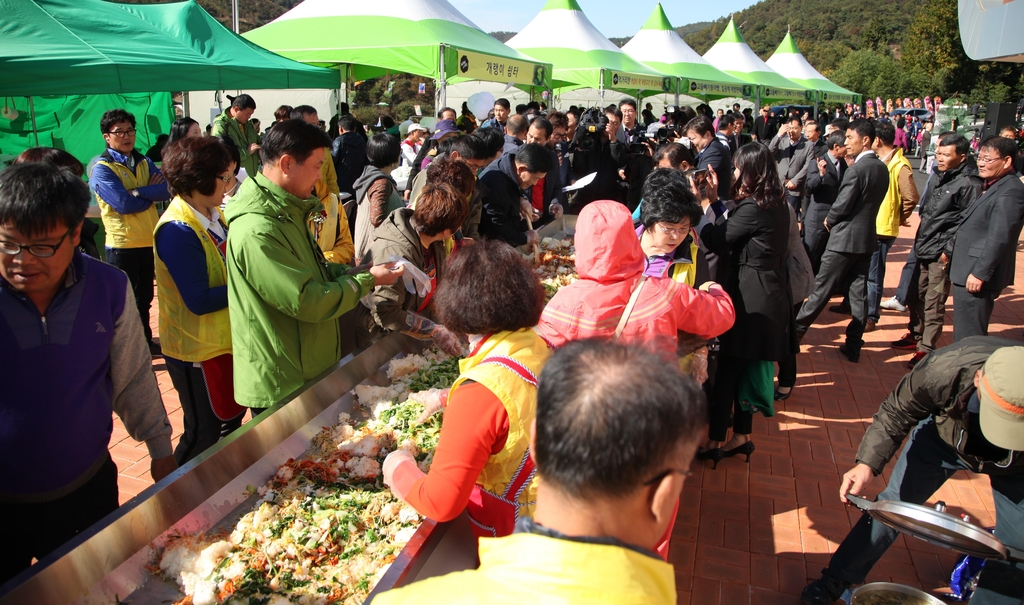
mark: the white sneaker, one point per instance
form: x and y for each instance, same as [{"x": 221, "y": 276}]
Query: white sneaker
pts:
[{"x": 893, "y": 305}]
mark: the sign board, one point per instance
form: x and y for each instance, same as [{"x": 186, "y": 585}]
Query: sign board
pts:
[
  {"x": 836, "y": 98},
  {"x": 478, "y": 66},
  {"x": 787, "y": 94},
  {"x": 631, "y": 81},
  {"x": 706, "y": 87}
]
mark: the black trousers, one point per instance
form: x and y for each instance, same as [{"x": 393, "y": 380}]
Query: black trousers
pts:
[
  {"x": 815, "y": 240},
  {"x": 724, "y": 405},
  {"x": 971, "y": 312},
  {"x": 836, "y": 267},
  {"x": 787, "y": 365},
  {"x": 138, "y": 264},
  {"x": 202, "y": 426},
  {"x": 37, "y": 529}
]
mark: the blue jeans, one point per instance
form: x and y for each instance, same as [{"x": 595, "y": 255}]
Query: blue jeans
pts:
[
  {"x": 876, "y": 276},
  {"x": 921, "y": 469}
]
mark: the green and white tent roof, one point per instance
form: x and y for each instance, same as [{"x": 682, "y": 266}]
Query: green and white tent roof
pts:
[
  {"x": 658, "y": 45},
  {"x": 732, "y": 55},
  {"x": 582, "y": 57},
  {"x": 790, "y": 63},
  {"x": 372, "y": 39}
]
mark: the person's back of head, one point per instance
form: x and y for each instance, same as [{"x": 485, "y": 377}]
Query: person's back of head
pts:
[
  {"x": 492, "y": 140},
  {"x": 675, "y": 154},
  {"x": 521, "y": 109},
  {"x": 283, "y": 113},
  {"x": 668, "y": 199},
  {"x": 301, "y": 112},
  {"x": 885, "y": 134},
  {"x": 348, "y": 123},
  {"x": 616, "y": 430},
  {"x": 439, "y": 208},
  {"x": 52, "y": 156},
  {"x": 840, "y": 124},
  {"x": 468, "y": 148},
  {"x": 383, "y": 150},
  {"x": 455, "y": 172},
  {"x": 517, "y": 126},
  {"x": 535, "y": 158}
]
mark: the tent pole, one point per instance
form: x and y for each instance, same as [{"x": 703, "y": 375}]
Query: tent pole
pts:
[
  {"x": 32, "y": 112},
  {"x": 678, "y": 84},
  {"x": 442, "y": 93},
  {"x": 600, "y": 88},
  {"x": 184, "y": 103},
  {"x": 234, "y": 16}
]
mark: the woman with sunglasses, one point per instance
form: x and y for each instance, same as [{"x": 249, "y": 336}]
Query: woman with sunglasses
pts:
[{"x": 191, "y": 279}]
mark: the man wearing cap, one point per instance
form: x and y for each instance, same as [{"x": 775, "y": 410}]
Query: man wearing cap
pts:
[
  {"x": 963, "y": 406},
  {"x": 412, "y": 143}
]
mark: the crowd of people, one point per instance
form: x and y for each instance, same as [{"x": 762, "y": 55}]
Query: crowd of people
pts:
[{"x": 706, "y": 247}]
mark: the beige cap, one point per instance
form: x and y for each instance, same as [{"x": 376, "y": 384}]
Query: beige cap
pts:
[{"x": 1001, "y": 393}]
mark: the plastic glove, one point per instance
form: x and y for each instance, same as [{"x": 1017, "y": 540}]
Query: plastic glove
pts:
[
  {"x": 699, "y": 367},
  {"x": 392, "y": 462},
  {"x": 423, "y": 329},
  {"x": 433, "y": 401},
  {"x": 556, "y": 210},
  {"x": 416, "y": 281}
]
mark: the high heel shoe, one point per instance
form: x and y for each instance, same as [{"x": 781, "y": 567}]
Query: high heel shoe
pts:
[
  {"x": 746, "y": 449},
  {"x": 714, "y": 454}
]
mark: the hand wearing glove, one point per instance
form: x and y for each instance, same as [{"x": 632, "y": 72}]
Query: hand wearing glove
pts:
[
  {"x": 386, "y": 274},
  {"x": 699, "y": 368},
  {"x": 556, "y": 210},
  {"x": 433, "y": 401},
  {"x": 423, "y": 329},
  {"x": 402, "y": 464}
]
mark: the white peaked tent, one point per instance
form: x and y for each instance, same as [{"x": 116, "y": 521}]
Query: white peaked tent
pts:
[
  {"x": 732, "y": 55},
  {"x": 657, "y": 44},
  {"x": 562, "y": 35},
  {"x": 788, "y": 61}
]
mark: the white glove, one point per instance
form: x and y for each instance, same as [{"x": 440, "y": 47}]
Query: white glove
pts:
[{"x": 433, "y": 401}]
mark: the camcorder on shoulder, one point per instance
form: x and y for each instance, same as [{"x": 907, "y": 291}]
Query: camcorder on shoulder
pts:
[{"x": 590, "y": 131}]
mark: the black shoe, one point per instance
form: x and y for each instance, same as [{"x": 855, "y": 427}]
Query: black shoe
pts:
[
  {"x": 843, "y": 309},
  {"x": 780, "y": 396},
  {"x": 746, "y": 449},
  {"x": 908, "y": 342},
  {"x": 715, "y": 455},
  {"x": 154, "y": 349},
  {"x": 852, "y": 355},
  {"x": 824, "y": 591}
]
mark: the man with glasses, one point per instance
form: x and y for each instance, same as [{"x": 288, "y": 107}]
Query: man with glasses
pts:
[
  {"x": 985, "y": 247},
  {"x": 127, "y": 184},
  {"x": 765, "y": 126},
  {"x": 72, "y": 351},
  {"x": 615, "y": 433}
]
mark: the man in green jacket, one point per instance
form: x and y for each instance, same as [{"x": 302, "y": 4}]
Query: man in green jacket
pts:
[{"x": 284, "y": 298}]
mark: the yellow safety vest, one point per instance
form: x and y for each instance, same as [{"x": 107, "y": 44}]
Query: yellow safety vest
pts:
[
  {"x": 887, "y": 223},
  {"x": 128, "y": 230},
  {"x": 686, "y": 273},
  {"x": 183, "y": 334},
  {"x": 530, "y": 568},
  {"x": 528, "y": 352}
]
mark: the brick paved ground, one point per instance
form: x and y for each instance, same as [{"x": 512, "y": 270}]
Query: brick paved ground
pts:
[{"x": 756, "y": 533}]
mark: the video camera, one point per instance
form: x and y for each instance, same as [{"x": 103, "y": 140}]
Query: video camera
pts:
[{"x": 590, "y": 132}]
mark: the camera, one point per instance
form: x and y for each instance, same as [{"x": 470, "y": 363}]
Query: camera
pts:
[{"x": 590, "y": 131}]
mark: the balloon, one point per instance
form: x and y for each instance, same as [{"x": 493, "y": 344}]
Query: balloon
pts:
[{"x": 480, "y": 103}]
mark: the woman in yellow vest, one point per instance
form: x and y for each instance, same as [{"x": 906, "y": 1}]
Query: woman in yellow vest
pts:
[
  {"x": 482, "y": 462},
  {"x": 191, "y": 280}
]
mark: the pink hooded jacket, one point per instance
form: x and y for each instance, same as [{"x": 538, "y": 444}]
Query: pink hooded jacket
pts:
[{"x": 609, "y": 262}]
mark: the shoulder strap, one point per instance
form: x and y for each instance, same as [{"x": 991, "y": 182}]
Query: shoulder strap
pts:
[
  {"x": 629, "y": 306},
  {"x": 514, "y": 366}
]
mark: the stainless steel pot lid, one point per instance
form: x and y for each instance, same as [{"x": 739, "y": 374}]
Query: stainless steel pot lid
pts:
[
  {"x": 936, "y": 526},
  {"x": 887, "y": 592}
]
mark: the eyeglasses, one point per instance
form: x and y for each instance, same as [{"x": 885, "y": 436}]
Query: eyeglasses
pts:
[
  {"x": 988, "y": 160},
  {"x": 123, "y": 133},
  {"x": 672, "y": 231},
  {"x": 665, "y": 473},
  {"x": 39, "y": 250},
  {"x": 226, "y": 179}
]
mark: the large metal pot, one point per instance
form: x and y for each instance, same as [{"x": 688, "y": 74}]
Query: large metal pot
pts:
[{"x": 887, "y": 593}]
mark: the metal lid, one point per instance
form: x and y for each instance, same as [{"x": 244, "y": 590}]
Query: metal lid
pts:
[
  {"x": 862, "y": 593},
  {"x": 934, "y": 525}
]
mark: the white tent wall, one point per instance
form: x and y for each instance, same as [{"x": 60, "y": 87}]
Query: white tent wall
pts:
[{"x": 200, "y": 103}]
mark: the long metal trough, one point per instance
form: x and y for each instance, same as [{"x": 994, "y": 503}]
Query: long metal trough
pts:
[{"x": 107, "y": 562}]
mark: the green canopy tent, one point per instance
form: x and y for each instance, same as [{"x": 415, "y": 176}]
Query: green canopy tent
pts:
[
  {"x": 658, "y": 45},
  {"x": 429, "y": 38},
  {"x": 790, "y": 63},
  {"x": 582, "y": 56},
  {"x": 732, "y": 55},
  {"x": 62, "y": 54}
]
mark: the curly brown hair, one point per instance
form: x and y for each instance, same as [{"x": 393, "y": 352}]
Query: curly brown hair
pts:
[
  {"x": 488, "y": 288},
  {"x": 193, "y": 164},
  {"x": 759, "y": 176},
  {"x": 454, "y": 172},
  {"x": 439, "y": 207}
]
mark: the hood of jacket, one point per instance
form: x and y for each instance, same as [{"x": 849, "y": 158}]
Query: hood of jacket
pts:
[
  {"x": 370, "y": 174},
  {"x": 506, "y": 165},
  {"x": 397, "y": 229},
  {"x": 259, "y": 195},
  {"x": 607, "y": 248}
]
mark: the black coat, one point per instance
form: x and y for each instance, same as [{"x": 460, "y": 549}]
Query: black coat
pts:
[
  {"x": 501, "y": 206},
  {"x": 942, "y": 210},
  {"x": 755, "y": 240},
  {"x": 851, "y": 219},
  {"x": 349, "y": 153},
  {"x": 717, "y": 156},
  {"x": 986, "y": 242}
]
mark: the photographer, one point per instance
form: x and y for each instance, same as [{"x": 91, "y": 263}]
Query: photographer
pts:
[{"x": 595, "y": 149}]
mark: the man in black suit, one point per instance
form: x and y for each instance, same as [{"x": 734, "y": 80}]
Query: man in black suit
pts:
[
  {"x": 851, "y": 226},
  {"x": 812, "y": 132},
  {"x": 765, "y": 126},
  {"x": 712, "y": 154},
  {"x": 824, "y": 175},
  {"x": 738, "y": 139},
  {"x": 985, "y": 245}
]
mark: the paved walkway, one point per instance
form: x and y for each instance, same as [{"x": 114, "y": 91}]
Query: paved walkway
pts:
[{"x": 756, "y": 533}]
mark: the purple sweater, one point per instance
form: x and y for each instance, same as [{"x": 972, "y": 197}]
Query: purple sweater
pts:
[{"x": 63, "y": 374}]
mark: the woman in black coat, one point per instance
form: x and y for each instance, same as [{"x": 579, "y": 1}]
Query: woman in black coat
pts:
[{"x": 752, "y": 240}]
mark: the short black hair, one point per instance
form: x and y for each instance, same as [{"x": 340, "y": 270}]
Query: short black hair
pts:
[
  {"x": 610, "y": 417},
  {"x": 1003, "y": 146},
  {"x": 840, "y": 124},
  {"x": 535, "y": 157},
  {"x": 492, "y": 139},
  {"x": 668, "y": 199},
  {"x": 242, "y": 101},
  {"x": 614, "y": 111},
  {"x": 479, "y": 284},
  {"x": 115, "y": 116},
  {"x": 36, "y": 197},
  {"x": 283, "y": 113},
  {"x": 794, "y": 118},
  {"x": 302, "y": 110},
  {"x": 469, "y": 148},
  {"x": 233, "y": 152},
  {"x": 383, "y": 150},
  {"x": 543, "y": 123},
  {"x": 521, "y": 109},
  {"x": 677, "y": 153},
  {"x": 885, "y": 132},
  {"x": 629, "y": 102},
  {"x": 503, "y": 103},
  {"x": 864, "y": 128},
  {"x": 701, "y": 124},
  {"x": 444, "y": 109},
  {"x": 348, "y": 122},
  {"x": 959, "y": 140},
  {"x": 293, "y": 137},
  {"x": 836, "y": 139}
]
